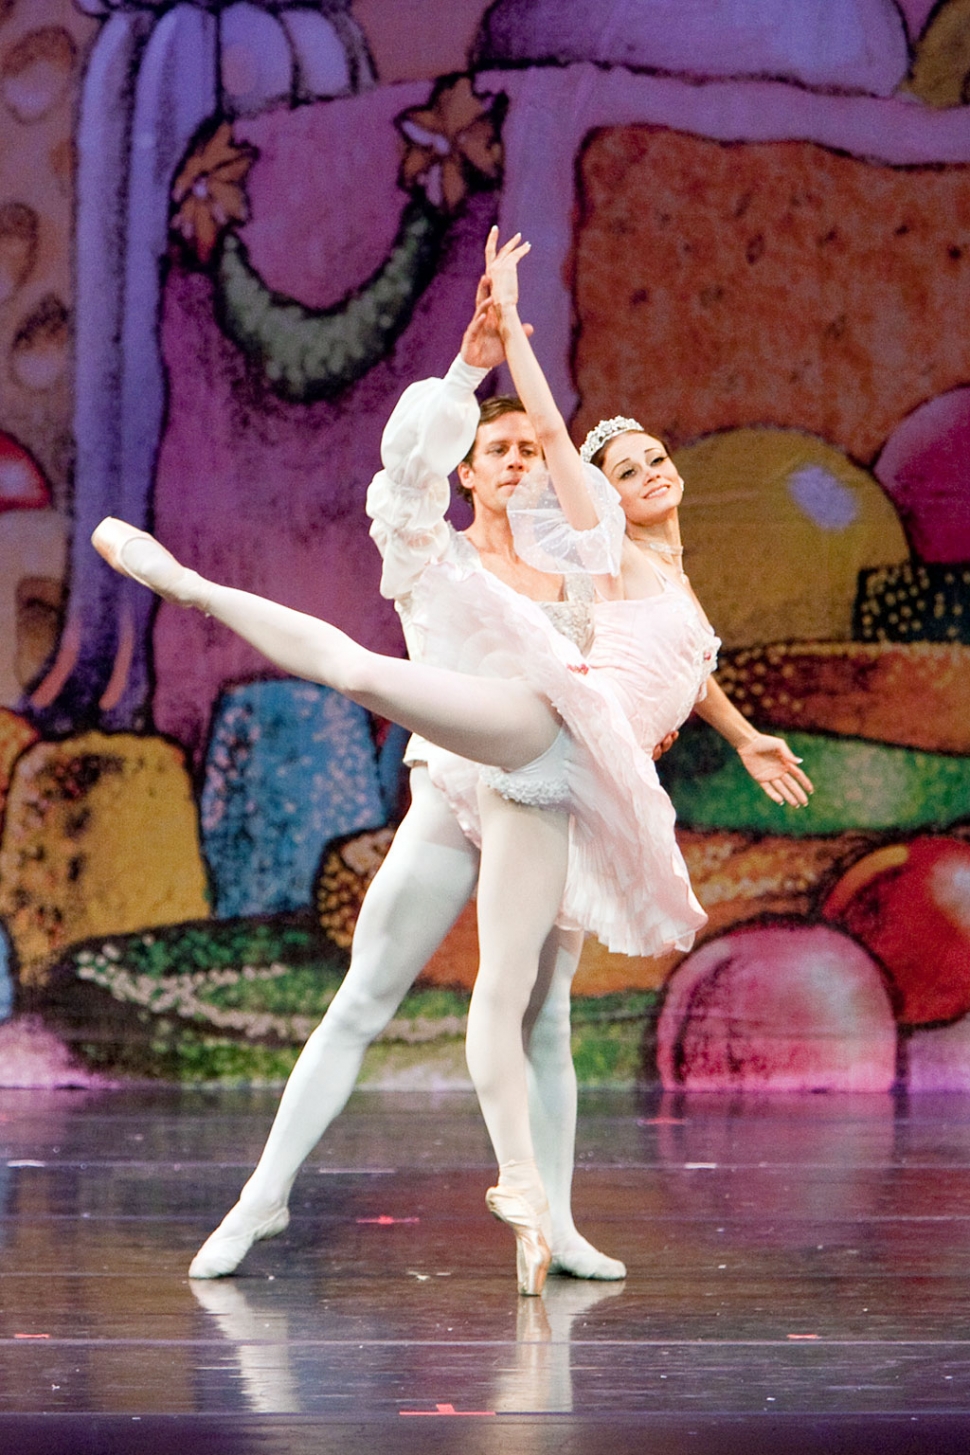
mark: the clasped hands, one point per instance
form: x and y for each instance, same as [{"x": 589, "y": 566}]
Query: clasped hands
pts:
[{"x": 498, "y": 288}]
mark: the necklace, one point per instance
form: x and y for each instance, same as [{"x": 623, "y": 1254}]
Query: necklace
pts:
[{"x": 675, "y": 552}]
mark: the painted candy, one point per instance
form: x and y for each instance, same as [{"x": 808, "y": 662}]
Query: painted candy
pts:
[
  {"x": 909, "y": 904},
  {"x": 778, "y": 1007}
]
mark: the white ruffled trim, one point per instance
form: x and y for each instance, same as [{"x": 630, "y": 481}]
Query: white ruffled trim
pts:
[
  {"x": 627, "y": 882},
  {"x": 544, "y": 537},
  {"x": 430, "y": 431}
]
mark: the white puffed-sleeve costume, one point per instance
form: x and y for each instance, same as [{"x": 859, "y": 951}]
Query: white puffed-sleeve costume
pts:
[{"x": 430, "y": 431}]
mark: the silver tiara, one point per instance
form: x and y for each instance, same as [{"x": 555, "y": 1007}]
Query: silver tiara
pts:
[{"x": 604, "y": 431}]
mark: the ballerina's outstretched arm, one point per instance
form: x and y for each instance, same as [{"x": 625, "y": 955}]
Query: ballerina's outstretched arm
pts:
[{"x": 768, "y": 759}]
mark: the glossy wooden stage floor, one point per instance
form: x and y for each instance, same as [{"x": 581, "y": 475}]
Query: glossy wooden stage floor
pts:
[{"x": 799, "y": 1281}]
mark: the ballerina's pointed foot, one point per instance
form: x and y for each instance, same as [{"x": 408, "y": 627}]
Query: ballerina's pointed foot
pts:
[
  {"x": 532, "y": 1253},
  {"x": 223, "y": 1251},
  {"x": 136, "y": 554},
  {"x": 577, "y": 1258}
]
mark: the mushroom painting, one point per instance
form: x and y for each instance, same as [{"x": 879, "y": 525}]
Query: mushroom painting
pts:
[{"x": 32, "y": 559}]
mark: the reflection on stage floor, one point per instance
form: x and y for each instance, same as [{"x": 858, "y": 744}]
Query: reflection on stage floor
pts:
[{"x": 797, "y": 1280}]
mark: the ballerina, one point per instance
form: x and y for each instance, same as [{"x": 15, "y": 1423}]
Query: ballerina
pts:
[
  {"x": 497, "y": 721},
  {"x": 648, "y": 590}
]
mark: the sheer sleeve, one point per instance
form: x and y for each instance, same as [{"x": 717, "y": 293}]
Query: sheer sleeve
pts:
[
  {"x": 544, "y": 537},
  {"x": 430, "y": 431}
]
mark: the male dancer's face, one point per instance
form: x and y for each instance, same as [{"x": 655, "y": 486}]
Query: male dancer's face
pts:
[{"x": 505, "y": 449}]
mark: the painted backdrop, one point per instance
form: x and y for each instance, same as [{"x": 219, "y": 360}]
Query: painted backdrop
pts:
[{"x": 230, "y": 235}]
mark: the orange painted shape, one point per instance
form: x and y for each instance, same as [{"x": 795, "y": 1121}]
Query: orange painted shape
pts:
[{"x": 893, "y": 856}]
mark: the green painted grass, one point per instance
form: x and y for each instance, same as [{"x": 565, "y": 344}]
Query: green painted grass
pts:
[{"x": 858, "y": 785}]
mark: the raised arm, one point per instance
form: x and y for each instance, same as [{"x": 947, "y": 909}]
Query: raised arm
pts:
[
  {"x": 562, "y": 457},
  {"x": 576, "y": 524},
  {"x": 429, "y": 432}
]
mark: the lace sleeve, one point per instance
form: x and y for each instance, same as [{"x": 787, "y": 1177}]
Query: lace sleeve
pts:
[
  {"x": 544, "y": 537},
  {"x": 430, "y": 431}
]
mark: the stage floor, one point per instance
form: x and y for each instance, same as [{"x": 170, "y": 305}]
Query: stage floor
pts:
[{"x": 798, "y": 1281}]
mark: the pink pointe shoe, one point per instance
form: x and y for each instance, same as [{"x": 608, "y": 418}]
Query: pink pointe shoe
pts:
[
  {"x": 139, "y": 556},
  {"x": 532, "y": 1252}
]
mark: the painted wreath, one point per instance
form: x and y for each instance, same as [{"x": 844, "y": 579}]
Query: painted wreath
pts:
[{"x": 451, "y": 147}]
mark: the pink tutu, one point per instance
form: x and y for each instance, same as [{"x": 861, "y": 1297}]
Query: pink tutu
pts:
[{"x": 627, "y": 882}]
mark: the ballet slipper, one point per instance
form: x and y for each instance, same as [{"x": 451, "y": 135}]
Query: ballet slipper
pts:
[
  {"x": 532, "y": 1255},
  {"x": 139, "y": 556},
  {"x": 223, "y": 1251},
  {"x": 577, "y": 1258}
]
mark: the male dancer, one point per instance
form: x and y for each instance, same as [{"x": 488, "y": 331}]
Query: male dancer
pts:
[{"x": 431, "y": 868}]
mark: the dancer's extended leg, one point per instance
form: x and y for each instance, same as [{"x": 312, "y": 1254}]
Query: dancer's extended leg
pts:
[
  {"x": 418, "y": 892},
  {"x": 496, "y": 721},
  {"x": 552, "y": 1105}
]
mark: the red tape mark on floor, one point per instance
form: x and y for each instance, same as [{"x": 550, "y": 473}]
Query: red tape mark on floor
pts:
[
  {"x": 31, "y": 1336},
  {"x": 385, "y": 1222},
  {"x": 447, "y": 1409}
]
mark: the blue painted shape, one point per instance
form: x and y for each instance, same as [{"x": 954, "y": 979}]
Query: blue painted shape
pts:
[
  {"x": 390, "y": 764},
  {"x": 826, "y": 500},
  {"x": 290, "y": 766},
  {"x": 6, "y": 976}
]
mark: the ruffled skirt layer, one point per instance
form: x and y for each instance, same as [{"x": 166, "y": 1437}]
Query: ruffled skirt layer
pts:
[{"x": 627, "y": 882}]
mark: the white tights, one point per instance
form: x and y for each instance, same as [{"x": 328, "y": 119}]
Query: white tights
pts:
[
  {"x": 521, "y": 878},
  {"x": 417, "y": 894},
  {"x": 497, "y": 721},
  {"x": 524, "y": 850}
]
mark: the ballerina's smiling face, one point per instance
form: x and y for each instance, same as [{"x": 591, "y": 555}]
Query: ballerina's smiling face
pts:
[{"x": 643, "y": 474}]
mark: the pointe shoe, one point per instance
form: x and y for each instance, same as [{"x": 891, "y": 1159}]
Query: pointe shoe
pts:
[
  {"x": 223, "y": 1251},
  {"x": 532, "y": 1255},
  {"x": 162, "y": 573}
]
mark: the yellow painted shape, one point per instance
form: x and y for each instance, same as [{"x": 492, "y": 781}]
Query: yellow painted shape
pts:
[
  {"x": 940, "y": 73},
  {"x": 893, "y": 856},
  {"x": 16, "y": 734},
  {"x": 100, "y": 837},
  {"x": 763, "y": 567}
]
